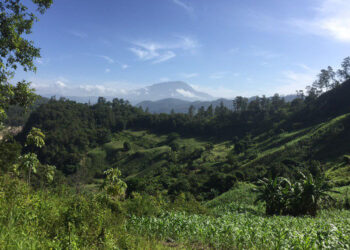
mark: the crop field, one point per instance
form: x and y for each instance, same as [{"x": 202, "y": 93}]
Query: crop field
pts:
[
  {"x": 236, "y": 222},
  {"x": 331, "y": 230}
]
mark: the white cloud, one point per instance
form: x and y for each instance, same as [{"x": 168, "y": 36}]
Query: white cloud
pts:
[
  {"x": 331, "y": 19},
  {"x": 186, "y": 43},
  {"x": 61, "y": 84},
  {"x": 233, "y": 51},
  {"x": 107, "y": 58},
  {"x": 185, "y": 93},
  {"x": 64, "y": 87},
  {"x": 183, "y": 5},
  {"x": 265, "y": 54},
  {"x": 144, "y": 54},
  {"x": 189, "y": 75},
  {"x": 165, "y": 57},
  {"x": 93, "y": 89},
  {"x": 293, "y": 81},
  {"x": 42, "y": 60},
  {"x": 218, "y": 75},
  {"x": 160, "y": 52},
  {"x": 164, "y": 79},
  {"x": 112, "y": 61},
  {"x": 304, "y": 66},
  {"x": 107, "y": 70},
  {"x": 39, "y": 85},
  {"x": 78, "y": 34},
  {"x": 219, "y": 91}
]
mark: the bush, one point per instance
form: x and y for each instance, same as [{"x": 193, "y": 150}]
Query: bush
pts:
[
  {"x": 126, "y": 146},
  {"x": 172, "y": 137},
  {"x": 303, "y": 197}
]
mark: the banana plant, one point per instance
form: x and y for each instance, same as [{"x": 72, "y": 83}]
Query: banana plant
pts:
[{"x": 274, "y": 193}]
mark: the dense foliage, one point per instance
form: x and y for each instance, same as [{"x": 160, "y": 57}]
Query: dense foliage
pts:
[
  {"x": 128, "y": 179},
  {"x": 17, "y": 51},
  {"x": 303, "y": 197}
]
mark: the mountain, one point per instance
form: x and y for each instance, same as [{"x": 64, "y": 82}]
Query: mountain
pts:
[
  {"x": 181, "y": 106},
  {"x": 165, "y": 105},
  {"x": 164, "y": 97},
  {"x": 166, "y": 90}
]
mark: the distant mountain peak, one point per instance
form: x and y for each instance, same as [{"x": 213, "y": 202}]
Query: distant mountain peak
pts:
[
  {"x": 171, "y": 89},
  {"x": 155, "y": 92}
]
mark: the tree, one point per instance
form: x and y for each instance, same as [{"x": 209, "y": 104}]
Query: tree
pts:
[
  {"x": 16, "y": 23},
  {"x": 113, "y": 185},
  {"x": 312, "y": 93},
  {"x": 191, "y": 111},
  {"x": 30, "y": 163},
  {"x": 35, "y": 138},
  {"x": 240, "y": 147},
  {"x": 273, "y": 193},
  {"x": 126, "y": 146},
  {"x": 326, "y": 80},
  {"x": 200, "y": 113},
  {"x": 344, "y": 72},
  {"x": 302, "y": 197},
  {"x": 209, "y": 111},
  {"x": 240, "y": 104},
  {"x": 30, "y": 160}
]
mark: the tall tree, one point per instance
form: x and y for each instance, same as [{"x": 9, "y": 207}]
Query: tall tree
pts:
[
  {"x": 344, "y": 72},
  {"x": 240, "y": 104},
  {"x": 191, "y": 111},
  {"x": 16, "y": 50}
]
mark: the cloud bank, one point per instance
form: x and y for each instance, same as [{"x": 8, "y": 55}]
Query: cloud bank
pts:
[{"x": 332, "y": 19}]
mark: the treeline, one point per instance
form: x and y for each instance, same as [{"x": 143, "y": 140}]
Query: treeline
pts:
[
  {"x": 71, "y": 128},
  {"x": 17, "y": 115}
]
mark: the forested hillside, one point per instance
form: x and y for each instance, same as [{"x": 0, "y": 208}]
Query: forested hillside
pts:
[
  {"x": 185, "y": 178},
  {"x": 257, "y": 139},
  {"x": 258, "y": 173}
]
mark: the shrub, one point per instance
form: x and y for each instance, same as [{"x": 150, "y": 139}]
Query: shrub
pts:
[
  {"x": 303, "y": 197},
  {"x": 126, "y": 146}
]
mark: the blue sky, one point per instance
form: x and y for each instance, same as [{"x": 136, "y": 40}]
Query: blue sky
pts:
[{"x": 225, "y": 48}]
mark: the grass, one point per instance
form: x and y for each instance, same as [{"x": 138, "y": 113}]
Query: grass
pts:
[
  {"x": 248, "y": 231},
  {"x": 237, "y": 223},
  {"x": 317, "y": 137},
  {"x": 62, "y": 219},
  {"x": 148, "y": 151}
]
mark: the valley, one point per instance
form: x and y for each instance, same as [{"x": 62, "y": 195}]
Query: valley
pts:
[{"x": 174, "y": 125}]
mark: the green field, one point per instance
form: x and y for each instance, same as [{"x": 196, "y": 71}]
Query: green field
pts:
[
  {"x": 150, "y": 151},
  {"x": 65, "y": 220}
]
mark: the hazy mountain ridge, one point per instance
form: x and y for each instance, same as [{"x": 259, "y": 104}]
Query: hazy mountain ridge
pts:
[
  {"x": 164, "y": 90},
  {"x": 178, "y": 90},
  {"x": 181, "y": 106},
  {"x": 167, "y": 96}
]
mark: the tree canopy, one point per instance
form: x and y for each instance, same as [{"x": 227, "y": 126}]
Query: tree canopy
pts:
[{"x": 16, "y": 21}]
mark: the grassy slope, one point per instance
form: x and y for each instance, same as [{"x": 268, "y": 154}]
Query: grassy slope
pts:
[{"x": 328, "y": 140}]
